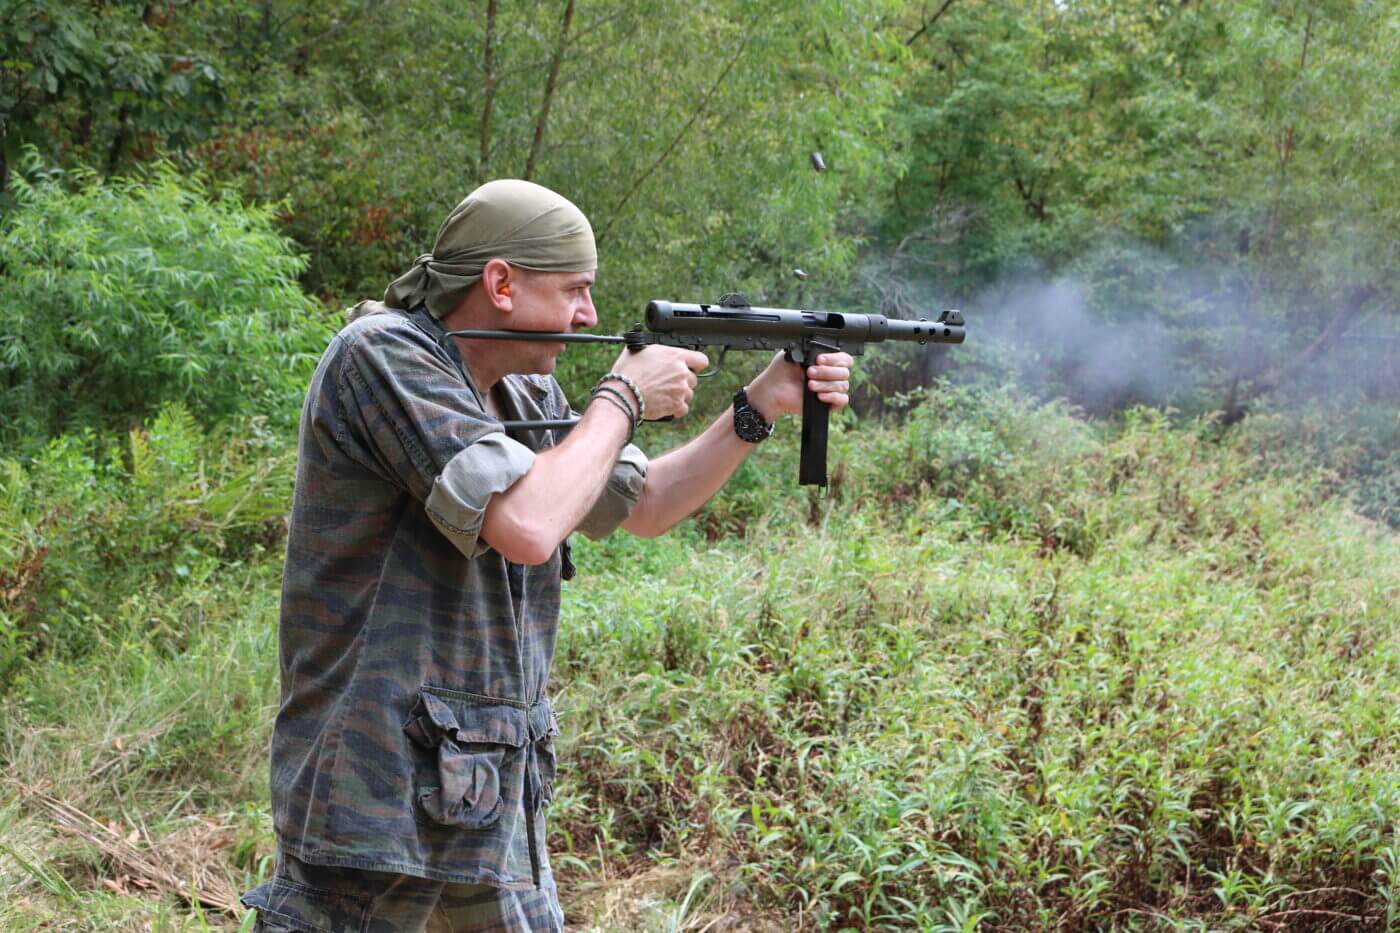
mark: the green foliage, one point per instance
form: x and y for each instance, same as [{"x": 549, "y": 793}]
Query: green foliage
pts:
[
  {"x": 1015, "y": 667},
  {"x": 700, "y": 185},
  {"x": 1036, "y": 125},
  {"x": 1011, "y": 670},
  {"x": 120, "y": 296},
  {"x": 330, "y": 182},
  {"x": 1352, "y": 447},
  {"x": 1107, "y": 677},
  {"x": 1213, "y": 177},
  {"x": 993, "y": 458},
  {"x": 99, "y": 542},
  {"x": 99, "y": 80}
]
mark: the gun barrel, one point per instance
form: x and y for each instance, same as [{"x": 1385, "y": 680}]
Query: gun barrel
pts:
[
  {"x": 944, "y": 330},
  {"x": 533, "y": 336},
  {"x": 669, "y": 317}
]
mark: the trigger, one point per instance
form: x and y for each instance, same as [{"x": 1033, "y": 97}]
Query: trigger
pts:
[{"x": 714, "y": 370}]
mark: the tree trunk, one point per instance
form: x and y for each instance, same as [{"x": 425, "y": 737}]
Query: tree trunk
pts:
[
  {"x": 114, "y": 153},
  {"x": 488, "y": 93},
  {"x": 555, "y": 61}
]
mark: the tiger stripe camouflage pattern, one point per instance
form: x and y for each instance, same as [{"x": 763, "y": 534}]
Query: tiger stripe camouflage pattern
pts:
[{"x": 415, "y": 734}]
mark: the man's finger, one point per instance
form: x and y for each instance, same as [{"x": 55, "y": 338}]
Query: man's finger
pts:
[
  {"x": 836, "y": 359},
  {"x": 834, "y": 399},
  {"x": 835, "y": 385},
  {"x": 696, "y": 360},
  {"x": 829, "y": 373}
]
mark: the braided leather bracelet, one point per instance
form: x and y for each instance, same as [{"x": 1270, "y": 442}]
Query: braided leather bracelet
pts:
[
  {"x": 613, "y": 398},
  {"x": 632, "y": 413},
  {"x": 633, "y": 388},
  {"x": 634, "y": 417}
]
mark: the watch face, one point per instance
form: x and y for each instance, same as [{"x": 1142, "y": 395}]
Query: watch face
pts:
[{"x": 748, "y": 423}]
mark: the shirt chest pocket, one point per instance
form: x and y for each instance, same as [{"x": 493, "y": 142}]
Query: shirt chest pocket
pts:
[{"x": 475, "y": 751}]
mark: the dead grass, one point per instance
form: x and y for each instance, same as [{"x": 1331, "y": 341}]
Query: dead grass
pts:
[{"x": 185, "y": 863}]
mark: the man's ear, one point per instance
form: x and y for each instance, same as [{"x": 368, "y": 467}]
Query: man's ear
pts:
[{"x": 496, "y": 278}]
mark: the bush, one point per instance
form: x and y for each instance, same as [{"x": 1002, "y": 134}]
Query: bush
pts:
[
  {"x": 1355, "y": 443},
  {"x": 1020, "y": 667},
  {"x": 100, "y": 539},
  {"x": 344, "y": 200},
  {"x": 1023, "y": 668},
  {"x": 118, "y": 296},
  {"x": 993, "y": 459}
]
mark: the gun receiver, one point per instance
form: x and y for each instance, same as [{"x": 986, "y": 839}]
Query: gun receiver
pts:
[{"x": 733, "y": 324}]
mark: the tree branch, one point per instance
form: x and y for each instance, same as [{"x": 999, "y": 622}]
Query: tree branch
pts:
[
  {"x": 671, "y": 147},
  {"x": 928, "y": 22},
  {"x": 549, "y": 84},
  {"x": 1263, "y": 379}
]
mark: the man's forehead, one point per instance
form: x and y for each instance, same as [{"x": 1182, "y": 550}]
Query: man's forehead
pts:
[{"x": 575, "y": 279}]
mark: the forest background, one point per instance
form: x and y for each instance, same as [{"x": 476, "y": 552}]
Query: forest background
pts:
[{"x": 1096, "y": 626}]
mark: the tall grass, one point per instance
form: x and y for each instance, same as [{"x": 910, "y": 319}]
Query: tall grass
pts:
[
  {"x": 1115, "y": 682},
  {"x": 1014, "y": 672}
]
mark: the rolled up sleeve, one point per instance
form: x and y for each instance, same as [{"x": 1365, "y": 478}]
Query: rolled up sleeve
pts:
[
  {"x": 410, "y": 417},
  {"x": 457, "y": 502},
  {"x": 620, "y": 495}
]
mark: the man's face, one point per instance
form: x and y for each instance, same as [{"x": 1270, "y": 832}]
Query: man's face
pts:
[{"x": 549, "y": 301}]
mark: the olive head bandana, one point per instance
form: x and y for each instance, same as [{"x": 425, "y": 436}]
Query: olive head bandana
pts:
[{"x": 523, "y": 223}]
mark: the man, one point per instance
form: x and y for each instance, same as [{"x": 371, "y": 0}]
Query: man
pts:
[{"x": 413, "y": 753}]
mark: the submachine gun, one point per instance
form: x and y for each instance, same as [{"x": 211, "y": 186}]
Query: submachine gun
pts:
[{"x": 733, "y": 324}]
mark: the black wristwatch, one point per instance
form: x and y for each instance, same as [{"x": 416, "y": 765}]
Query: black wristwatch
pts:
[{"x": 748, "y": 423}]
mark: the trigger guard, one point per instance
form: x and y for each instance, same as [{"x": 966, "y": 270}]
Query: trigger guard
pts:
[{"x": 719, "y": 364}]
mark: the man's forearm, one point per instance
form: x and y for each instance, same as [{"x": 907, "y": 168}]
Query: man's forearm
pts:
[
  {"x": 527, "y": 521},
  {"x": 682, "y": 480}
]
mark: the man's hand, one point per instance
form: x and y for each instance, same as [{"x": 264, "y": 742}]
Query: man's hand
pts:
[
  {"x": 666, "y": 376},
  {"x": 778, "y": 389}
]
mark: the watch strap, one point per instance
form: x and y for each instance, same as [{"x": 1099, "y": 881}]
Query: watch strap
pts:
[{"x": 748, "y": 423}]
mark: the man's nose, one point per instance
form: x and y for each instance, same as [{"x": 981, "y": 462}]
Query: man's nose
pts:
[{"x": 586, "y": 315}]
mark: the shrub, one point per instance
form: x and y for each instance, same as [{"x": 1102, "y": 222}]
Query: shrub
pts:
[
  {"x": 345, "y": 199},
  {"x": 100, "y": 538},
  {"x": 1356, "y": 444},
  {"x": 118, "y": 296}
]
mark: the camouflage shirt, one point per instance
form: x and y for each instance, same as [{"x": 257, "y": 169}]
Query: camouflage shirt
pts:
[{"x": 414, "y": 734}]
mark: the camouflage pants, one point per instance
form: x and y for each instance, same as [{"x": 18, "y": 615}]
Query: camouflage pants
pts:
[{"x": 322, "y": 899}]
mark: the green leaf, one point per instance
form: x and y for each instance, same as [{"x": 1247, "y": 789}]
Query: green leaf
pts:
[{"x": 844, "y": 879}]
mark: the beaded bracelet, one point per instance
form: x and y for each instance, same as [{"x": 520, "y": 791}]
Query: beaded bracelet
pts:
[
  {"x": 622, "y": 404},
  {"x": 632, "y": 414},
  {"x": 633, "y": 388},
  {"x": 613, "y": 398}
]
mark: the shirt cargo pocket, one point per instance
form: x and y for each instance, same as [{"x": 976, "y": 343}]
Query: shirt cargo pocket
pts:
[{"x": 477, "y": 742}]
